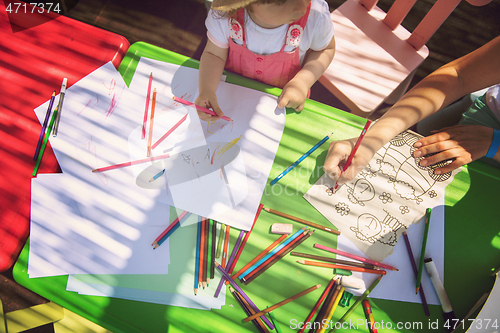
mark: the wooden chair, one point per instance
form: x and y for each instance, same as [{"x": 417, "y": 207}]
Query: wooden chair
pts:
[{"x": 376, "y": 56}]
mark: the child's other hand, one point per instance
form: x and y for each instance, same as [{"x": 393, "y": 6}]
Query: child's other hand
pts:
[
  {"x": 209, "y": 102},
  {"x": 293, "y": 96}
]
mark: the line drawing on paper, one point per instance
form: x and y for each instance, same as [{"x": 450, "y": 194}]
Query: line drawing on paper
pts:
[{"x": 370, "y": 229}]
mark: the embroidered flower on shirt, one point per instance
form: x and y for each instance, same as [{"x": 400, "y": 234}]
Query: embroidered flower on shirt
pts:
[
  {"x": 294, "y": 35},
  {"x": 235, "y": 30}
]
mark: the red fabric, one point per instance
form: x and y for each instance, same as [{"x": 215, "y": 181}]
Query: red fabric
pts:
[{"x": 33, "y": 63}]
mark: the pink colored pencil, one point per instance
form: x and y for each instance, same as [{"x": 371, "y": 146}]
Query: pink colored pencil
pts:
[
  {"x": 354, "y": 150},
  {"x": 355, "y": 257},
  {"x": 171, "y": 225},
  {"x": 147, "y": 107},
  {"x": 199, "y": 108},
  {"x": 169, "y": 131},
  {"x": 126, "y": 164},
  {"x": 151, "y": 120}
]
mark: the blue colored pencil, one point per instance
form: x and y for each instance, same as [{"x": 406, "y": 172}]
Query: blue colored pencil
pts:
[
  {"x": 270, "y": 254},
  {"x": 158, "y": 175},
  {"x": 287, "y": 170},
  {"x": 197, "y": 261},
  {"x": 44, "y": 127}
]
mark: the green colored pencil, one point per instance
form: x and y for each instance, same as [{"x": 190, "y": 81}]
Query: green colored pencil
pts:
[
  {"x": 44, "y": 144},
  {"x": 422, "y": 251},
  {"x": 221, "y": 238}
]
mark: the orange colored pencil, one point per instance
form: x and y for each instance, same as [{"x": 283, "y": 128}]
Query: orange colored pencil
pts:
[
  {"x": 151, "y": 120},
  {"x": 350, "y": 268},
  {"x": 260, "y": 256},
  {"x": 226, "y": 246}
]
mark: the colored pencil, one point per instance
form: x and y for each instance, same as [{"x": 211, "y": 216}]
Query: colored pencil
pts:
[
  {"x": 166, "y": 231},
  {"x": 333, "y": 308},
  {"x": 151, "y": 122},
  {"x": 271, "y": 253},
  {"x": 62, "y": 93},
  {"x": 353, "y": 152},
  {"x": 169, "y": 131},
  {"x": 283, "y": 302},
  {"x": 230, "y": 262},
  {"x": 203, "y": 261},
  {"x": 158, "y": 175},
  {"x": 221, "y": 239},
  {"x": 318, "y": 304},
  {"x": 350, "y": 268},
  {"x": 275, "y": 322},
  {"x": 369, "y": 315},
  {"x": 242, "y": 293},
  {"x": 335, "y": 261},
  {"x": 197, "y": 260},
  {"x": 297, "y": 219},
  {"x": 422, "y": 250},
  {"x": 278, "y": 256},
  {"x": 355, "y": 257},
  {"x": 243, "y": 243},
  {"x": 44, "y": 143},
  {"x": 325, "y": 318},
  {"x": 205, "y": 251},
  {"x": 303, "y": 157},
  {"x": 126, "y": 164},
  {"x": 199, "y": 108},
  {"x": 226, "y": 246},
  {"x": 248, "y": 310},
  {"x": 212, "y": 254},
  {"x": 44, "y": 126},
  {"x": 356, "y": 304},
  {"x": 262, "y": 254},
  {"x": 146, "y": 109},
  {"x": 415, "y": 272}
]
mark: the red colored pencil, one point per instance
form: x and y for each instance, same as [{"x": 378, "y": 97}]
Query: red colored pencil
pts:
[
  {"x": 143, "y": 135},
  {"x": 353, "y": 152},
  {"x": 199, "y": 108},
  {"x": 126, "y": 164},
  {"x": 169, "y": 131},
  {"x": 318, "y": 304}
]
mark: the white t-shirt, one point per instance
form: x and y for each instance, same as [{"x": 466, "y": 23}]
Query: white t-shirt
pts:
[{"x": 318, "y": 32}]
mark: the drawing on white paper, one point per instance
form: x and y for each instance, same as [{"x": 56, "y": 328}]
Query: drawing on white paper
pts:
[{"x": 389, "y": 194}]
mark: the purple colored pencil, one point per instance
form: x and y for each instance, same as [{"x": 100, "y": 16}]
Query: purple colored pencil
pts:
[
  {"x": 44, "y": 127},
  {"x": 242, "y": 293},
  {"x": 231, "y": 258}
]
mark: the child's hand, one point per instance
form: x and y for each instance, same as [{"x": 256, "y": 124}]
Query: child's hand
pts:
[
  {"x": 209, "y": 102},
  {"x": 293, "y": 96}
]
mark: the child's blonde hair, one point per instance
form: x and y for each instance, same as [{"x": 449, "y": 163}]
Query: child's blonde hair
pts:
[{"x": 231, "y": 7}]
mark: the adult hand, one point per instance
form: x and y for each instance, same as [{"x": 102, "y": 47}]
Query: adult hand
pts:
[
  {"x": 293, "y": 96},
  {"x": 460, "y": 144},
  {"x": 209, "y": 102},
  {"x": 337, "y": 156}
]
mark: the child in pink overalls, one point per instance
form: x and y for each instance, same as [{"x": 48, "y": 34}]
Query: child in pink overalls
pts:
[{"x": 284, "y": 43}]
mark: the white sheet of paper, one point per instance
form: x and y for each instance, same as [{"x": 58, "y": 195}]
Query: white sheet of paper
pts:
[
  {"x": 384, "y": 199},
  {"x": 62, "y": 241}
]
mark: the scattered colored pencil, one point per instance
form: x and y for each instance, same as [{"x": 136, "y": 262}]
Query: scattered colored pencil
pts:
[
  {"x": 350, "y": 268},
  {"x": 158, "y": 175},
  {"x": 297, "y": 219},
  {"x": 317, "y": 305},
  {"x": 230, "y": 262},
  {"x": 44, "y": 126},
  {"x": 146, "y": 109},
  {"x": 415, "y": 271},
  {"x": 203, "y": 260},
  {"x": 333, "y": 308},
  {"x": 169, "y": 131},
  {"x": 309, "y": 152},
  {"x": 212, "y": 252},
  {"x": 286, "y": 301},
  {"x": 126, "y": 164},
  {"x": 226, "y": 246},
  {"x": 355, "y": 257},
  {"x": 275, "y": 322},
  {"x": 422, "y": 250},
  {"x": 199, "y": 108},
  {"x": 60, "y": 106},
  {"x": 325, "y": 318},
  {"x": 44, "y": 143},
  {"x": 221, "y": 239},
  {"x": 369, "y": 316},
  {"x": 248, "y": 310},
  {"x": 353, "y": 152},
  {"x": 197, "y": 260},
  {"x": 206, "y": 259},
  {"x": 271, "y": 253},
  {"x": 242, "y": 293},
  {"x": 165, "y": 233},
  {"x": 356, "y": 304},
  {"x": 335, "y": 261},
  {"x": 262, "y": 254},
  {"x": 151, "y": 122}
]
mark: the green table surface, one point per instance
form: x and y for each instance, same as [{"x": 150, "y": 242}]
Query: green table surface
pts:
[{"x": 472, "y": 240}]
